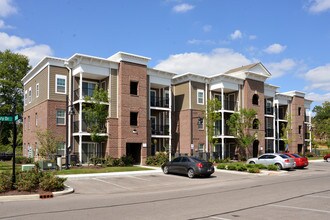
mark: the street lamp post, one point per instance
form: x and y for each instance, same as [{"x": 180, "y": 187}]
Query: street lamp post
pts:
[{"x": 14, "y": 145}]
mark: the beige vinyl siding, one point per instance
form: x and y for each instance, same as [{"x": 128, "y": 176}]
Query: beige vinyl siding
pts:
[
  {"x": 114, "y": 93},
  {"x": 40, "y": 78},
  {"x": 54, "y": 70},
  {"x": 181, "y": 96},
  {"x": 194, "y": 87}
]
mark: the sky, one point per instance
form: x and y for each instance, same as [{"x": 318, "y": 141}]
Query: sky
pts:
[{"x": 291, "y": 38}]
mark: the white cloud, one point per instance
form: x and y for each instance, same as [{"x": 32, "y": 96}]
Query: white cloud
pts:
[
  {"x": 319, "y": 78},
  {"x": 318, "y": 97},
  {"x": 182, "y": 8},
  {"x": 13, "y": 42},
  {"x": 318, "y": 6},
  {"x": 275, "y": 49},
  {"x": 3, "y": 25},
  {"x": 36, "y": 53},
  {"x": 199, "y": 42},
  {"x": 252, "y": 37},
  {"x": 217, "y": 61},
  {"x": 280, "y": 68},
  {"x": 236, "y": 35},
  {"x": 7, "y": 8},
  {"x": 207, "y": 28}
]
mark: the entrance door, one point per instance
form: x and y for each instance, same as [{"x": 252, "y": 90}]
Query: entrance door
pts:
[
  {"x": 134, "y": 150},
  {"x": 255, "y": 148}
]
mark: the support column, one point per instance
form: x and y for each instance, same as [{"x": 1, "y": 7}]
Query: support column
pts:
[
  {"x": 170, "y": 123},
  {"x": 222, "y": 126}
]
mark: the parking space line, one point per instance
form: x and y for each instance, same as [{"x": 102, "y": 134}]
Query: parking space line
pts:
[
  {"x": 299, "y": 208},
  {"x": 112, "y": 184},
  {"x": 214, "y": 217},
  {"x": 139, "y": 178}
]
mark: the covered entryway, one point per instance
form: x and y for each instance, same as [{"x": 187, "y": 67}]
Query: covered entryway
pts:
[
  {"x": 134, "y": 150},
  {"x": 255, "y": 148}
]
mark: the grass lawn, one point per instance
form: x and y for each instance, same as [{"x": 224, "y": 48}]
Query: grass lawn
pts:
[
  {"x": 92, "y": 169},
  {"x": 6, "y": 166}
]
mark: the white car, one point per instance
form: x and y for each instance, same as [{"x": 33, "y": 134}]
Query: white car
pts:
[{"x": 282, "y": 161}]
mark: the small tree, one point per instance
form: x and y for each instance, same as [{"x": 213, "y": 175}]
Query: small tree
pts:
[
  {"x": 240, "y": 125},
  {"x": 212, "y": 115},
  {"x": 287, "y": 132},
  {"x": 96, "y": 113},
  {"x": 48, "y": 143}
]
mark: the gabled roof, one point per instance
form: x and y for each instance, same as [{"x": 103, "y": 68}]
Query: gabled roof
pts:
[
  {"x": 256, "y": 71},
  {"x": 242, "y": 68}
]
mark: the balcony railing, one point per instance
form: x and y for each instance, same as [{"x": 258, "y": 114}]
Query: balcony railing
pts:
[
  {"x": 307, "y": 118},
  {"x": 85, "y": 92},
  {"x": 269, "y": 133},
  {"x": 160, "y": 130},
  {"x": 160, "y": 102},
  {"x": 230, "y": 105},
  {"x": 217, "y": 131},
  {"x": 85, "y": 127}
]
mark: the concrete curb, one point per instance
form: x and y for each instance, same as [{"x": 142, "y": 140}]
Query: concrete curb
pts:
[
  {"x": 262, "y": 172},
  {"x": 49, "y": 195}
]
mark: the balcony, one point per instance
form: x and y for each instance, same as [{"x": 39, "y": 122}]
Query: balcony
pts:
[
  {"x": 230, "y": 105},
  {"x": 307, "y": 135},
  {"x": 307, "y": 118},
  {"x": 159, "y": 102},
  {"x": 85, "y": 92},
  {"x": 160, "y": 130},
  {"x": 269, "y": 133},
  {"x": 218, "y": 131}
]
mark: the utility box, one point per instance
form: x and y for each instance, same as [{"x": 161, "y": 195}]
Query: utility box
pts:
[
  {"x": 47, "y": 165},
  {"x": 27, "y": 167},
  {"x": 59, "y": 163}
]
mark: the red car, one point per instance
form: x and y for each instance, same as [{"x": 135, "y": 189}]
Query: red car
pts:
[
  {"x": 300, "y": 161},
  {"x": 327, "y": 157}
]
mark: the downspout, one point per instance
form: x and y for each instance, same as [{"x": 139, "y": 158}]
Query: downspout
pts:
[{"x": 68, "y": 116}]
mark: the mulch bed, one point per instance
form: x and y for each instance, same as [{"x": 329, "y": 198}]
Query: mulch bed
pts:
[{"x": 16, "y": 192}]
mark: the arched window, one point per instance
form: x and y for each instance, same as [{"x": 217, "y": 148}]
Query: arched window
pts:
[
  {"x": 255, "y": 124},
  {"x": 255, "y": 99}
]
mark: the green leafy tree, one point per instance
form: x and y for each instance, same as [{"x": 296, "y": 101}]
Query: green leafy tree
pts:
[
  {"x": 48, "y": 143},
  {"x": 240, "y": 126},
  {"x": 96, "y": 113},
  {"x": 321, "y": 123},
  {"x": 287, "y": 132},
  {"x": 212, "y": 115},
  {"x": 13, "y": 68}
]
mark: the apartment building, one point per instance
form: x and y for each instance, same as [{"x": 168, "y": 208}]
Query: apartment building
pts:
[{"x": 150, "y": 110}]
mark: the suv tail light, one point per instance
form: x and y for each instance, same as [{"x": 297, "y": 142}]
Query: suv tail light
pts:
[{"x": 199, "y": 165}]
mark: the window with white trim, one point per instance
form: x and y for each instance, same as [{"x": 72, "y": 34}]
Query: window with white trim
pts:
[
  {"x": 60, "y": 117},
  {"x": 25, "y": 97},
  {"x": 61, "y": 148},
  {"x": 60, "y": 84},
  {"x": 37, "y": 90},
  {"x": 30, "y": 95},
  {"x": 200, "y": 97}
]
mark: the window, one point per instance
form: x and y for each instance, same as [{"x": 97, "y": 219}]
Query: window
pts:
[
  {"x": 88, "y": 88},
  {"x": 255, "y": 124},
  {"x": 200, "y": 148},
  {"x": 36, "y": 119},
  {"x": 153, "y": 124},
  {"x": 255, "y": 99},
  {"x": 61, "y": 149},
  {"x": 176, "y": 160},
  {"x": 134, "y": 118},
  {"x": 60, "y": 86},
  {"x": 299, "y": 110},
  {"x": 60, "y": 117},
  {"x": 25, "y": 97},
  {"x": 37, "y": 90},
  {"x": 200, "y": 97},
  {"x": 167, "y": 98},
  {"x": 152, "y": 98},
  {"x": 134, "y": 88},
  {"x": 28, "y": 122},
  {"x": 299, "y": 129},
  {"x": 30, "y": 95},
  {"x": 200, "y": 123}
]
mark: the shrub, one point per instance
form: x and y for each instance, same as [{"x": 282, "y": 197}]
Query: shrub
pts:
[
  {"x": 250, "y": 165},
  {"x": 23, "y": 160},
  {"x": 254, "y": 170},
  {"x": 112, "y": 162},
  {"x": 27, "y": 181},
  {"x": 5, "y": 182},
  {"x": 126, "y": 161},
  {"x": 272, "y": 167},
  {"x": 310, "y": 154},
  {"x": 222, "y": 166},
  {"x": 232, "y": 167},
  {"x": 157, "y": 160},
  {"x": 241, "y": 167},
  {"x": 50, "y": 182},
  {"x": 97, "y": 160},
  {"x": 261, "y": 166}
]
